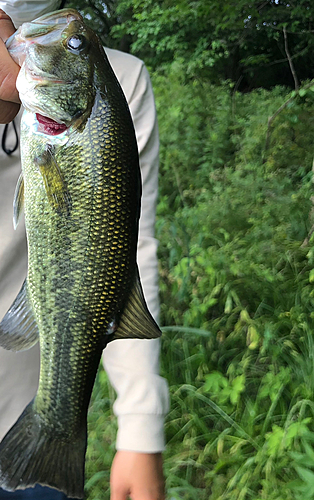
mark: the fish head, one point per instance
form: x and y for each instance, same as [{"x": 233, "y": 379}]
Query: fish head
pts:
[{"x": 56, "y": 81}]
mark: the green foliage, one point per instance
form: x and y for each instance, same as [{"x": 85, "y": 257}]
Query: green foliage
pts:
[
  {"x": 241, "y": 40},
  {"x": 237, "y": 296},
  {"x": 232, "y": 263}
]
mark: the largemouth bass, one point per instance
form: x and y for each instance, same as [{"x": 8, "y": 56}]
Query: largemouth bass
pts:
[{"x": 80, "y": 188}]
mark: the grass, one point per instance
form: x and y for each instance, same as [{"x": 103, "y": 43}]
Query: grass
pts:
[
  {"x": 226, "y": 440},
  {"x": 237, "y": 299}
]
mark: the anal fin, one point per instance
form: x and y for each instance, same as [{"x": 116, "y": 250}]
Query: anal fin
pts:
[
  {"x": 136, "y": 321},
  {"x": 18, "y": 329}
]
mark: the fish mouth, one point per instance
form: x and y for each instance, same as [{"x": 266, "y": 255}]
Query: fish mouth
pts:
[{"x": 48, "y": 126}]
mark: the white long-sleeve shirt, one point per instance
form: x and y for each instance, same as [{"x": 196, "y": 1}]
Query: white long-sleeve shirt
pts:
[{"x": 132, "y": 365}]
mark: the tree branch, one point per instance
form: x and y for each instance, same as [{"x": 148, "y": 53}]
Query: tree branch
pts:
[{"x": 295, "y": 78}]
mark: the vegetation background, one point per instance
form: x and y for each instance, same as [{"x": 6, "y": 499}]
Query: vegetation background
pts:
[{"x": 235, "y": 98}]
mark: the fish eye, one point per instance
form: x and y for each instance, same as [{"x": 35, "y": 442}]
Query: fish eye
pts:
[{"x": 76, "y": 42}]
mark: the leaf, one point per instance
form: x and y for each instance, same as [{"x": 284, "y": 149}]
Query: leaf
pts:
[
  {"x": 215, "y": 382},
  {"x": 228, "y": 304},
  {"x": 238, "y": 385},
  {"x": 305, "y": 474},
  {"x": 244, "y": 316},
  {"x": 252, "y": 337},
  {"x": 274, "y": 440}
]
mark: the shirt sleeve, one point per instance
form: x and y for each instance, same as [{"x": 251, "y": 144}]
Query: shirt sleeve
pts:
[{"x": 133, "y": 365}]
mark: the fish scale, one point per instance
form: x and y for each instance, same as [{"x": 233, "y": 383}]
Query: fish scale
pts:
[
  {"x": 81, "y": 188},
  {"x": 89, "y": 247}
]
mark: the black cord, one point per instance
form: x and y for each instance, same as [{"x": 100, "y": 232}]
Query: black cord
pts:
[{"x": 4, "y": 138}]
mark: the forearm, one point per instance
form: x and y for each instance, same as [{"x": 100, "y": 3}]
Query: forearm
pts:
[
  {"x": 142, "y": 401},
  {"x": 133, "y": 365}
]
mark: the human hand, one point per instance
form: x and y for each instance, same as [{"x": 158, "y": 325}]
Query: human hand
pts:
[
  {"x": 137, "y": 475},
  {"x": 9, "y": 99}
]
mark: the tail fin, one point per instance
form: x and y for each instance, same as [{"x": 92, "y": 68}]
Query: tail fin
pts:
[{"x": 30, "y": 454}]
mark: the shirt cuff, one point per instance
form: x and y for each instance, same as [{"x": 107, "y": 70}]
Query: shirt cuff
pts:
[{"x": 141, "y": 433}]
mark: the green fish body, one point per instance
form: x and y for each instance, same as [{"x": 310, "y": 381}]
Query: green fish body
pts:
[{"x": 80, "y": 187}]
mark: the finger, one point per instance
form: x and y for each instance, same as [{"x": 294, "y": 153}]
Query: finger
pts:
[
  {"x": 8, "y": 70},
  {"x": 118, "y": 495},
  {"x": 8, "y": 111},
  {"x": 149, "y": 494},
  {"x": 119, "y": 491},
  {"x": 6, "y": 26},
  {"x": 8, "y": 74}
]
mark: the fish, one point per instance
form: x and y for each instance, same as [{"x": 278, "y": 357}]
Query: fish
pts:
[{"x": 80, "y": 191}]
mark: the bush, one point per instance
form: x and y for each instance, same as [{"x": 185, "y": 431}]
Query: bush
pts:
[
  {"x": 231, "y": 222},
  {"x": 236, "y": 293}
]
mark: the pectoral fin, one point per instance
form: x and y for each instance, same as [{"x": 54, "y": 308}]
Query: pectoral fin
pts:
[
  {"x": 18, "y": 201},
  {"x": 136, "y": 321},
  {"x": 18, "y": 329},
  {"x": 55, "y": 185}
]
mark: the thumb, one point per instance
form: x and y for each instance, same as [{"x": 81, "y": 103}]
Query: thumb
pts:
[
  {"x": 6, "y": 26},
  {"x": 8, "y": 70}
]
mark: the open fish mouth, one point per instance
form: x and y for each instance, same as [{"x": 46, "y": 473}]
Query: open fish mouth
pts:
[{"x": 48, "y": 126}]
